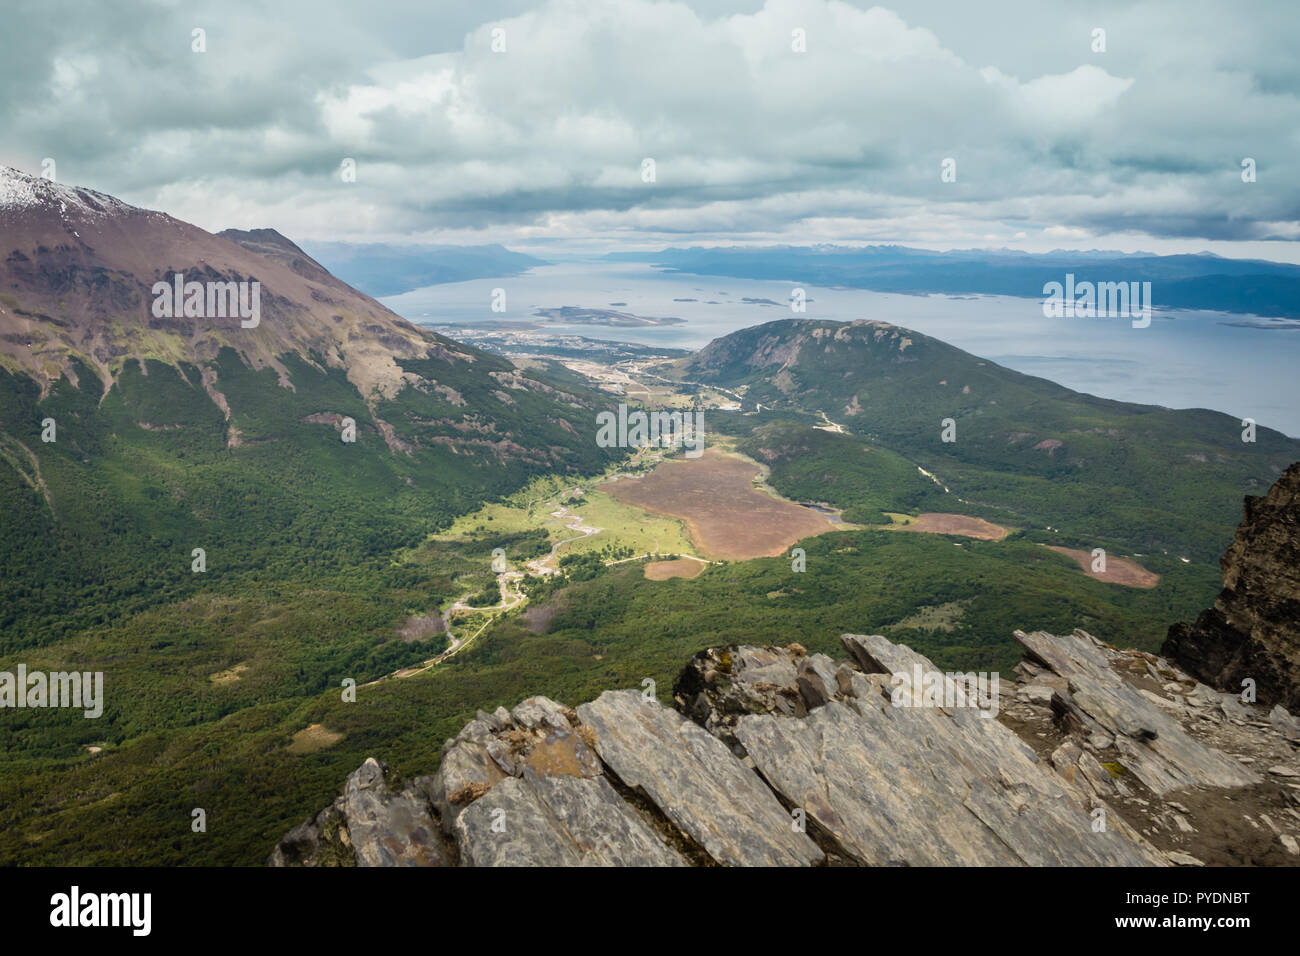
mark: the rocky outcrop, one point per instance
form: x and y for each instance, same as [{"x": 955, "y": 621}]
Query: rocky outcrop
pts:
[
  {"x": 1199, "y": 774},
  {"x": 1253, "y": 630},
  {"x": 695, "y": 781},
  {"x": 903, "y": 785},
  {"x": 776, "y": 757},
  {"x": 368, "y": 825},
  {"x": 1100, "y": 706}
]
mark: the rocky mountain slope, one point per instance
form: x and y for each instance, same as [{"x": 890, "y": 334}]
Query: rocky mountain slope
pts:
[
  {"x": 77, "y": 272},
  {"x": 1253, "y": 630},
  {"x": 170, "y": 427},
  {"x": 773, "y": 756},
  {"x": 76, "y": 292},
  {"x": 227, "y": 518}
]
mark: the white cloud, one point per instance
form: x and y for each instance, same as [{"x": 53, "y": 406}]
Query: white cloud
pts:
[
  {"x": 1062, "y": 99},
  {"x": 750, "y": 137}
]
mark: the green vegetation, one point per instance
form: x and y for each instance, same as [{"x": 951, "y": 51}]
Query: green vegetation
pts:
[
  {"x": 586, "y": 565},
  {"x": 865, "y": 481},
  {"x": 488, "y": 597},
  {"x": 1027, "y": 452},
  {"x": 140, "y": 480},
  {"x": 328, "y": 562},
  {"x": 318, "y": 556},
  {"x": 623, "y": 528},
  {"x": 631, "y": 529},
  {"x": 869, "y": 581}
]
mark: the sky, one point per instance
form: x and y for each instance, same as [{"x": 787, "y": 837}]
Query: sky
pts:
[{"x": 784, "y": 121}]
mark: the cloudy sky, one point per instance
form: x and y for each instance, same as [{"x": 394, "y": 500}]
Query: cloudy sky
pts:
[{"x": 542, "y": 144}]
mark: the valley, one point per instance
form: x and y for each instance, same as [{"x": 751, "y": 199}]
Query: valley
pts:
[
  {"x": 674, "y": 434},
  {"x": 348, "y": 604}
]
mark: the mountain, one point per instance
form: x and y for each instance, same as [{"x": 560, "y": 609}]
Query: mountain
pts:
[
  {"x": 384, "y": 269},
  {"x": 1023, "y": 450},
  {"x": 173, "y": 431},
  {"x": 777, "y": 757},
  {"x": 1253, "y": 630},
  {"x": 1205, "y": 281},
  {"x": 77, "y": 276}
]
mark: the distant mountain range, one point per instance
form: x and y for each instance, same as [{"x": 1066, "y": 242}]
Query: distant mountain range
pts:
[{"x": 1247, "y": 286}]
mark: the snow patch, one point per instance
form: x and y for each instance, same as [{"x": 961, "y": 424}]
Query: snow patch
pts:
[{"x": 20, "y": 191}]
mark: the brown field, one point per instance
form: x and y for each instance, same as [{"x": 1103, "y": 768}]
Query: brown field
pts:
[
  {"x": 955, "y": 524},
  {"x": 726, "y": 516},
  {"x": 1123, "y": 571},
  {"x": 680, "y": 568}
]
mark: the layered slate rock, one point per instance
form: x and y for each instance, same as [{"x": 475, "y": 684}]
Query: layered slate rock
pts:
[
  {"x": 727, "y": 682},
  {"x": 1253, "y": 630},
  {"x": 1153, "y": 746},
  {"x": 1093, "y": 757},
  {"x": 901, "y": 785},
  {"x": 524, "y": 789},
  {"x": 695, "y": 781},
  {"x": 557, "y": 821},
  {"x": 1215, "y": 800},
  {"x": 387, "y": 828}
]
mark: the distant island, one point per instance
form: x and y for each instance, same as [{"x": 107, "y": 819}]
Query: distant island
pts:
[
  {"x": 574, "y": 315},
  {"x": 1202, "y": 281}
]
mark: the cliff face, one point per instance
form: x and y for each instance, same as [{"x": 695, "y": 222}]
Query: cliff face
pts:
[
  {"x": 772, "y": 756},
  {"x": 1253, "y": 630}
]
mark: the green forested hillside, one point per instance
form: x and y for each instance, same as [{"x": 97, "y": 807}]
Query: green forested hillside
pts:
[
  {"x": 1025, "y": 450},
  {"x": 103, "y": 521},
  {"x": 316, "y": 554}
]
